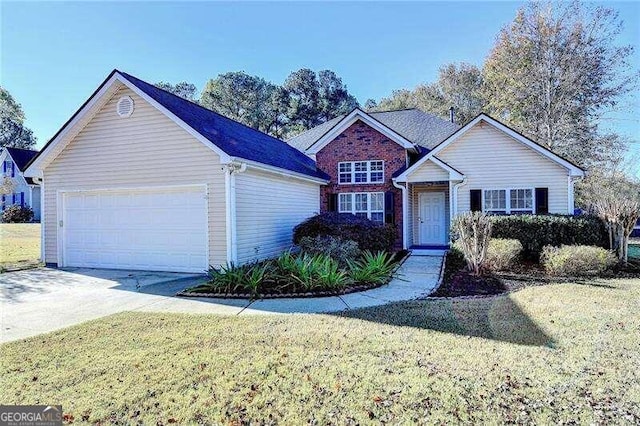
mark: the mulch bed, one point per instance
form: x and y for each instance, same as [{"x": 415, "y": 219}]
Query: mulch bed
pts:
[
  {"x": 399, "y": 257},
  {"x": 457, "y": 282}
]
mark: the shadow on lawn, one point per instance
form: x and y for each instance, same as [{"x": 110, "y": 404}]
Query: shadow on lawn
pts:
[{"x": 496, "y": 318}]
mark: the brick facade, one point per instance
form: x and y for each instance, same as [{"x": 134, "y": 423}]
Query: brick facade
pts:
[{"x": 360, "y": 143}]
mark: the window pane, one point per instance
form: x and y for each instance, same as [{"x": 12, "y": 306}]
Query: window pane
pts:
[
  {"x": 360, "y": 166},
  {"x": 361, "y": 202},
  {"x": 344, "y": 203},
  {"x": 361, "y": 177},
  {"x": 344, "y": 167},
  {"x": 377, "y": 201},
  {"x": 377, "y": 177},
  {"x": 345, "y": 178},
  {"x": 376, "y": 166},
  {"x": 521, "y": 199},
  {"x": 495, "y": 199},
  {"x": 377, "y": 216}
]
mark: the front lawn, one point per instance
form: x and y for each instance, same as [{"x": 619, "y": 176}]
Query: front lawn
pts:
[
  {"x": 19, "y": 245},
  {"x": 634, "y": 251},
  {"x": 563, "y": 353}
]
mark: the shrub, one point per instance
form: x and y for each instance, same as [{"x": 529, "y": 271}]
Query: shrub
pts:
[
  {"x": 472, "y": 231},
  {"x": 367, "y": 234},
  {"x": 372, "y": 268},
  {"x": 576, "y": 260},
  {"x": 17, "y": 214},
  {"x": 502, "y": 253},
  {"x": 334, "y": 247},
  {"x": 535, "y": 232}
]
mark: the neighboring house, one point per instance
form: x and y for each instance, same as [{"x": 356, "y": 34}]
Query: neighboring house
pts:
[
  {"x": 141, "y": 179},
  {"x": 636, "y": 230},
  {"x": 418, "y": 171},
  {"x": 25, "y": 191}
]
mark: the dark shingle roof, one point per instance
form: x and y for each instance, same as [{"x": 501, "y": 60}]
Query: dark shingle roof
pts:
[
  {"x": 235, "y": 139},
  {"x": 419, "y": 127},
  {"x": 21, "y": 157}
]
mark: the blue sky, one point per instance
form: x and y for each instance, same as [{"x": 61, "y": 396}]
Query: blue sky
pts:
[{"x": 53, "y": 55}]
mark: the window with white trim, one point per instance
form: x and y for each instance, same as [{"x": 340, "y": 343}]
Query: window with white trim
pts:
[
  {"x": 363, "y": 204},
  {"x": 8, "y": 168},
  {"x": 519, "y": 201},
  {"x": 361, "y": 171}
]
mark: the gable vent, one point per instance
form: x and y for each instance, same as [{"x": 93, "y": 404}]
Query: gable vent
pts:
[{"x": 124, "y": 108}]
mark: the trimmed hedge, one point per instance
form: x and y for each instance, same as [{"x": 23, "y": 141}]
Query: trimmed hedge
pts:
[
  {"x": 535, "y": 232},
  {"x": 367, "y": 234},
  {"x": 576, "y": 260},
  {"x": 502, "y": 253}
]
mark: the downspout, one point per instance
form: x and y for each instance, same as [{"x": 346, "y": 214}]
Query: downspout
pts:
[
  {"x": 454, "y": 201},
  {"x": 571, "y": 196},
  {"x": 40, "y": 181},
  {"x": 405, "y": 212},
  {"x": 231, "y": 170}
]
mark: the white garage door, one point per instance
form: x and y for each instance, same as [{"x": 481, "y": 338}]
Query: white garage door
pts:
[{"x": 156, "y": 230}]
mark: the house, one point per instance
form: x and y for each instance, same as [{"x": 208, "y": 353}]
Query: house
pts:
[
  {"x": 25, "y": 191},
  {"x": 141, "y": 179},
  {"x": 418, "y": 171},
  {"x": 636, "y": 230}
]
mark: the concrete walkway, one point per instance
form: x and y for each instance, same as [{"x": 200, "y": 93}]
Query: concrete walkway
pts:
[{"x": 42, "y": 300}]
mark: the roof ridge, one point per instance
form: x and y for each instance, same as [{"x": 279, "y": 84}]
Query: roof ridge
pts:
[
  {"x": 395, "y": 110},
  {"x": 341, "y": 116}
]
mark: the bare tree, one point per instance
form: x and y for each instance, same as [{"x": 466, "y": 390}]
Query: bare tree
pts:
[
  {"x": 6, "y": 187},
  {"x": 473, "y": 231},
  {"x": 615, "y": 198}
]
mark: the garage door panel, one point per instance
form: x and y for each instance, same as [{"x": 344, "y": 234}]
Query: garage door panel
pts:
[{"x": 155, "y": 230}]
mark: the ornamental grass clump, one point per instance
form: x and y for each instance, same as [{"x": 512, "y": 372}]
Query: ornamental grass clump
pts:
[
  {"x": 472, "y": 232},
  {"x": 372, "y": 268}
]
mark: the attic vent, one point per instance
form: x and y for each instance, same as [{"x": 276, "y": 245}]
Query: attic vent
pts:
[{"x": 125, "y": 106}]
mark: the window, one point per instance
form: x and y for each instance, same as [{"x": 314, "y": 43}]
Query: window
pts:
[
  {"x": 363, "y": 204},
  {"x": 7, "y": 168},
  {"x": 519, "y": 201},
  {"x": 361, "y": 172}
]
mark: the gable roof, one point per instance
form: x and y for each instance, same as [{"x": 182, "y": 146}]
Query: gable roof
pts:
[
  {"x": 225, "y": 136},
  {"x": 419, "y": 127},
  {"x": 574, "y": 170},
  {"x": 21, "y": 157}
]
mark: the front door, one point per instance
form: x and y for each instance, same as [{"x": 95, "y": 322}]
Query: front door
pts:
[{"x": 432, "y": 219}]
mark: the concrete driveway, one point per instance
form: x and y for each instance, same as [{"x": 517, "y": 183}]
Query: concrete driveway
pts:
[{"x": 42, "y": 300}]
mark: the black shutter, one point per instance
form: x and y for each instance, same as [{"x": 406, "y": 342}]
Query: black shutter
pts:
[
  {"x": 476, "y": 200},
  {"x": 332, "y": 201},
  {"x": 542, "y": 201},
  {"x": 389, "y": 207}
]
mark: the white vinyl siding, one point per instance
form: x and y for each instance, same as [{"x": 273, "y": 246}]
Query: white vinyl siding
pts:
[
  {"x": 268, "y": 207},
  {"x": 144, "y": 150},
  {"x": 429, "y": 172},
  {"x": 491, "y": 159}
]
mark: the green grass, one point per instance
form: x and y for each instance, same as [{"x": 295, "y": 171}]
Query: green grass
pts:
[
  {"x": 19, "y": 245},
  {"x": 544, "y": 355},
  {"x": 634, "y": 251}
]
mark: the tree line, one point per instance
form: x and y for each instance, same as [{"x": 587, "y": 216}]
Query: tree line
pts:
[
  {"x": 305, "y": 100},
  {"x": 553, "y": 74}
]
